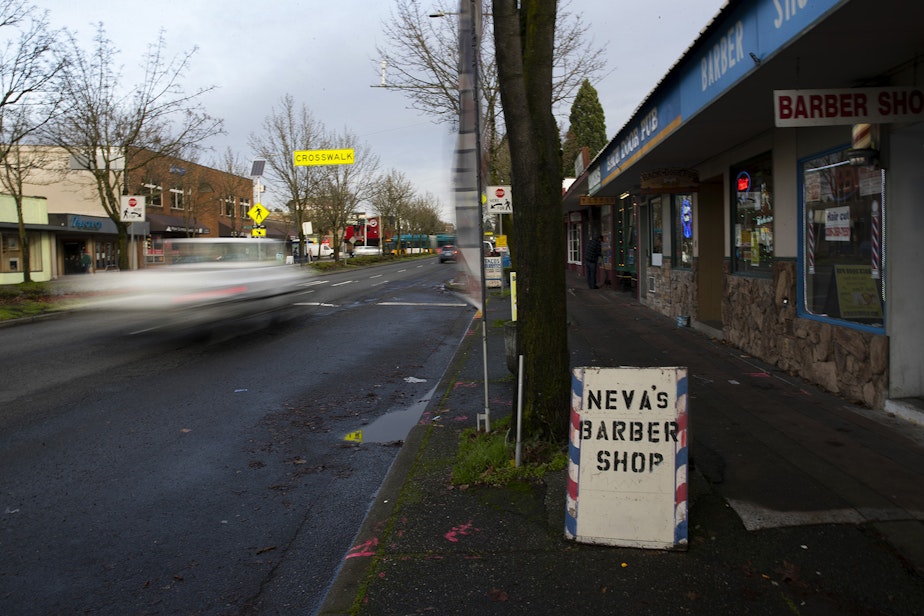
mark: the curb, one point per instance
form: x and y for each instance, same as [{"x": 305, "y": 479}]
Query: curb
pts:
[
  {"x": 45, "y": 316},
  {"x": 363, "y": 555},
  {"x": 358, "y": 562}
]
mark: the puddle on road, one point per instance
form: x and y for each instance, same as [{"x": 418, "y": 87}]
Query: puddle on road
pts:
[{"x": 394, "y": 425}]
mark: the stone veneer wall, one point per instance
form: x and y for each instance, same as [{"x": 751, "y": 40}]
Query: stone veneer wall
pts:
[
  {"x": 847, "y": 362},
  {"x": 675, "y": 292},
  {"x": 844, "y": 361}
]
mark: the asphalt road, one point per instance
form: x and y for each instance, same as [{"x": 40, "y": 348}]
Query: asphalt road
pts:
[{"x": 171, "y": 474}]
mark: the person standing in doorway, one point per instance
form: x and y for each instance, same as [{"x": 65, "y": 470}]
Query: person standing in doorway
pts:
[{"x": 592, "y": 253}]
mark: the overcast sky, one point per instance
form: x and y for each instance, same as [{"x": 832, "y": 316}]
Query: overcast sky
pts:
[{"x": 323, "y": 54}]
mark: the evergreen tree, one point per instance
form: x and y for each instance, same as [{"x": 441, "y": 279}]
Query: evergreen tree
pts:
[
  {"x": 588, "y": 127},
  {"x": 569, "y": 152}
]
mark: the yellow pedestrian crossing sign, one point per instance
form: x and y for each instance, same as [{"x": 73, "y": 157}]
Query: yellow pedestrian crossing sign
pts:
[
  {"x": 258, "y": 232},
  {"x": 258, "y": 213}
]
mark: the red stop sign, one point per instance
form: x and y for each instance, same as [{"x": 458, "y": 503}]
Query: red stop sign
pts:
[
  {"x": 499, "y": 193},
  {"x": 132, "y": 202}
]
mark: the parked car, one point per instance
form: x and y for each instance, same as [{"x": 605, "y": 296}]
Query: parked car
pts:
[
  {"x": 448, "y": 253},
  {"x": 359, "y": 251}
]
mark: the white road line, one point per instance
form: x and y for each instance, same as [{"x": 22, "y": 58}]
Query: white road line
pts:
[
  {"x": 322, "y": 304},
  {"x": 340, "y": 284},
  {"x": 434, "y": 304}
]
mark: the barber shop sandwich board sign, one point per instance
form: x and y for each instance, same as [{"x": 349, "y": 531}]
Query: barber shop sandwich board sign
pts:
[{"x": 628, "y": 457}]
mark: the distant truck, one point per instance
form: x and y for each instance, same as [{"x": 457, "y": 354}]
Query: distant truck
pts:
[{"x": 319, "y": 251}]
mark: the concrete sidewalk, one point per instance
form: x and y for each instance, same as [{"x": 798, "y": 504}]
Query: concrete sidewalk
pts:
[{"x": 799, "y": 503}]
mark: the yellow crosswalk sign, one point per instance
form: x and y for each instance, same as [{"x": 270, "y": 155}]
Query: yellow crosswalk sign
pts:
[{"x": 258, "y": 213}]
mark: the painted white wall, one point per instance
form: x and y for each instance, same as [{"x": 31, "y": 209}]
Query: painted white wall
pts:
[{"x": 904, "y": 245}]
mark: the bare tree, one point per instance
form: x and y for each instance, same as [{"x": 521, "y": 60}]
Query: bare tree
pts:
[
  {"x": 524, "y": 32},
  {"x": 198, "y": 194},
  {"x": 230, "y": 186},
  {"x": 391, "y": 201},
  {"x": 421, "y": 61},
  {"x": 27, "y": 66},
  {"x": 285, "y": 131},
  {"x": 110, "y": 130},
  {"x": 345, "y": 187},
  {"x": 423, "y": 217}
]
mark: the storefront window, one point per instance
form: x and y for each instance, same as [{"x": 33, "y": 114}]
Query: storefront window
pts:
[
  {"x": 843, "y": 213},
  {"x": 626, "y": 241},
  {"x": 657, "y": 231},
  {"x": 683, "y": 231},
  {"x": 107, "y": 256},
  {"x": 11, "y": 254},
  {"x": 752, "y": 243},
  {"x": 574, "y": 243},
  {"x": 154, "y": 249}
]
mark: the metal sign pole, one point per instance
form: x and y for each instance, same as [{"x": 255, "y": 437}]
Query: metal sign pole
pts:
[{"x": 475, "y": 8}]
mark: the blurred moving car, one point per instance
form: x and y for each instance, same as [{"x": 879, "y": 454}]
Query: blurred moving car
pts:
[
  {"x": 202, "y": 283},
  {"x": 448, "y": 253}
]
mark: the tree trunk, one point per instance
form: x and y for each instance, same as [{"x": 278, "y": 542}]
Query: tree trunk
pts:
[
  {"x": 26, "y": 265},
  {"x": 124, "y": 248},
  {"x": 524, "y": 41}
]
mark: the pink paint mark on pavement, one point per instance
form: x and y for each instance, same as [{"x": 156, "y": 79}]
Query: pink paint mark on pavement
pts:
[
  {"x": 366, "y": 548},
  {"x": 460, "y": 531}
]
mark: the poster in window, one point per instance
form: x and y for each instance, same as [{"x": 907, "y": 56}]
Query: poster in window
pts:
[
  {"x": 837, "y": 224},
  {"x": 856, "y": 292}
]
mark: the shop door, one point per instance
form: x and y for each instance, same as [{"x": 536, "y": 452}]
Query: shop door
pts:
[
  {"x": 711, "y": 231},
  {"x": 643, "y": 249},
  {"x": 73, "y": 257}
]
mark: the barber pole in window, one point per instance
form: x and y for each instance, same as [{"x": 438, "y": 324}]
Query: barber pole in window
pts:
[
  {"x": 811, "y": 246},
  {"x": 874, "y": 252}
]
